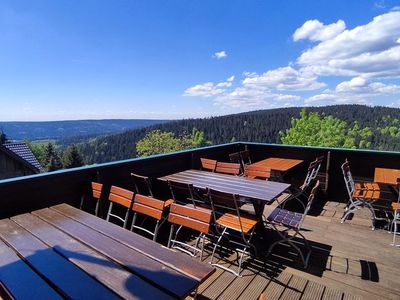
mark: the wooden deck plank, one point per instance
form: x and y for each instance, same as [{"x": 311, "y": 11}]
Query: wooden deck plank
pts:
[
  {"x": 295, "y": 289},
  {"x": 20, "y": 280},
  {"x": 104, "y": 270},
  {"x": 313, "y": 291},
  {"x": 160, "y": 275},
  {"x": 68, "y": 278},
  {"x": 180, "y": 263}
]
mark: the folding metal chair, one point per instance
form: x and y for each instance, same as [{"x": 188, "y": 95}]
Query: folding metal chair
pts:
[
  {"x": 150, "y": 207},
  {"x": 396, "y": 216},
  {"x": 142, "y": 184},
  {"x": 292, "y": 222},
  {"x": 97, "y": 189},
  {"x": 123, "y": 198},
  {"x": 185, "y": 193},
  {"x": 192, "y": 217},
  {"x": 230, "y": 221},
  {"x": 359, "y": 197},
  {"x": 235, "y": 158},
  {"x": 228, "y": 168},
  {"x": 208, "y": 164},
  {"x": 245, "y": 157}
]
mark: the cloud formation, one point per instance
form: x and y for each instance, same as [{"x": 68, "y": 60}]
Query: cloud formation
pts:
[
  {"x": 364, "y": 59},
  {"x": 220, "y": 54}
]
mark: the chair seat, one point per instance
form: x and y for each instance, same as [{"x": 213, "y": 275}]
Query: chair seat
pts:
[
  {"x": 232, "y": 222},
  {"x": 370, "y": 195},
  {"x": 285, "y": 217},
  {"x": 371, "y": 186},
  {"x": 396, "y": 205}
]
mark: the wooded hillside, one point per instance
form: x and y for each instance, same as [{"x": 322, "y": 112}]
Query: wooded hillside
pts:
[{"x": 257, "y": 126}]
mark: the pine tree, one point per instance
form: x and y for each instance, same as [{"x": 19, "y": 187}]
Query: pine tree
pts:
[
  {"x": 3, "y": 137},
  {"x": 52, "y": 161},
  {"x": 72, "y": 157}
]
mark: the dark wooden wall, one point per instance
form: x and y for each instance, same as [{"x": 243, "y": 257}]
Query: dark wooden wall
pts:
[{"x": 10, "y": 167}]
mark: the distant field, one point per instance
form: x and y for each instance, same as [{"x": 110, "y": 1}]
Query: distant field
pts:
[{"x": 66, "y": 129}]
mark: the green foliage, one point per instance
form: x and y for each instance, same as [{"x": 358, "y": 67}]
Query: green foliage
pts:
[
  {"x": 51, "y": 160},
  {"x": 311, "y": 129},
  {"x": 157, "y": 142},
  {"x": 39, "y": 150},
  {"x": 72, "y": 158}
]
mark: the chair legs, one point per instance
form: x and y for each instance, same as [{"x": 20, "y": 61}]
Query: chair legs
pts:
[
  {"x": 356, "y": 205},
  {"x": 395, "y": 223},
  {"x": 141, "y": 227},
  {"x": 173, "y": 242},
  {"x": 243, "y": 251},
  {"x": 110, "y": 214},
  {"x": 289, "y": 240}
]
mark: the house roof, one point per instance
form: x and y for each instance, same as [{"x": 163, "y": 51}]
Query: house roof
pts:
[{"x": 22, "y": 151}]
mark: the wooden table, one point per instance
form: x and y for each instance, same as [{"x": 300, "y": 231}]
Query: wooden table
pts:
[
  {"x": 278, "y": 164},
  {"x": 81, "y": 256},
  {"x": 256, "y": 189},
  {"x": 386, "y": 176}
]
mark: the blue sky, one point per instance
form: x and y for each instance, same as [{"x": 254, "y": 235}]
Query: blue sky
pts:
[{"x": 178, "y": 59}]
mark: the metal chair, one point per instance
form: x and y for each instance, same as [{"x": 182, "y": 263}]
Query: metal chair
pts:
[
  {"x": 150, "y": 207},
  {"x": 185, "y": 193},
  {"x": 228, "y": 168},
  {"x": 359, "y": 197},
  {"x": 236, "y": 158},
  {"x": 230, "y": 221},
  {"x": 292, "y": 222},
  {"x": 142, "y": 184},
  {"x": 97, "y": 189},
  {"x": 208, "y": 164},
  {"x": 245, "y": 157},
  {"x": 396, "y": 216},
  {"x": 192, "y": 217},
  {"x": 123, "y": 198}
]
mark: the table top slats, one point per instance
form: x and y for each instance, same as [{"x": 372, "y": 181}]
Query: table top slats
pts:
[
  {"x": 158, "y": 274},
  {"x": 386, "y": 176},
  {"x": 246, "y": 187},
  {"x": 21, "y": 281},
  {"x": 69, "y": 279},
  {"x": 109, "y": 273},
  {"x": 182, "y": 263},
  {"x": 279, "y": 164}
]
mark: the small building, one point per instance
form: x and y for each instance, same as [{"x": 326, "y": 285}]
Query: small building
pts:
[{"x": 17, "y": 159}]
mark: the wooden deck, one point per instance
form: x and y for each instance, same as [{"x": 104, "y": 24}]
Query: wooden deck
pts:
[{"x": 349, "y": 261}]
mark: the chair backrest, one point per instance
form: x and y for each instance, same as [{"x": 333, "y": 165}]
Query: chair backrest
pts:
[
  {"x": 142, "y": 184},
  {"x": 312, "y": 172},
  {"x": 235, "y": 157},
  {"x": 148, "y": 206},
  {"x": 228, "y": 168},
  {"x": 221, "y": 201},
  {"x": 310, "y": 200},
  {"x": 183, "y": 192},
  {"x": 121, "y": 196},
  {"x": 208, "y": 164},
  {"x": 254, "y": 171},
  {"x": 195, "y": 218},
  {"x": 97, "y": 188},
  {"x": 245, "y": 156},
  {"x": 348, "y": 179}
]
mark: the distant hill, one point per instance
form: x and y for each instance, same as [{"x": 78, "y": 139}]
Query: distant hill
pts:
[
  {"x": 66, "y": 129},
  {"x": 256, "y": 126}
]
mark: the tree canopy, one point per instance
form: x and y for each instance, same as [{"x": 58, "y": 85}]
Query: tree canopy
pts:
[
  {"x": 157, "y": 142},
  {"x": 71, "y": 157}
]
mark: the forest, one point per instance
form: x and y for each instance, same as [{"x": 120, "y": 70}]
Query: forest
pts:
[{"x": 372, "y": 128}]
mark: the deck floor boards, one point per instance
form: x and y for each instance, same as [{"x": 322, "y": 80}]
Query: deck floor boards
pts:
[{"x": 349, "y": 261}]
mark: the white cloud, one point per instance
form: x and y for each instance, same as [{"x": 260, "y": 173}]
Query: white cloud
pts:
[
  {"x": 207, "y": 89},
  {"x": 314, "y": 30},
  {"x": 286, "y": 78},
  {"x": 242, "y": 98},
  {"x": 220, "y": 54},
  {"x": 356, "y": 90},
  {"x": 369, "y": 50},
  {"x": 282, "y": 97},
  {"x": 230, "y": 79}
]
